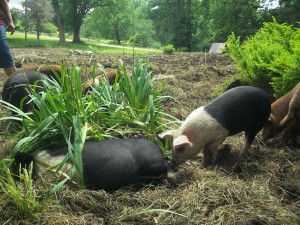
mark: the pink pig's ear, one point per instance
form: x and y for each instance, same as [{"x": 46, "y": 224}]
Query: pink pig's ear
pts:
[
  {"x": 168, "y": 133},
  {"x": 180, "y": 141}
]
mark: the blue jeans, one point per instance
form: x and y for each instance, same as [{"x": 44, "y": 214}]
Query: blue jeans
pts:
[{"x": 6, "y": 59}]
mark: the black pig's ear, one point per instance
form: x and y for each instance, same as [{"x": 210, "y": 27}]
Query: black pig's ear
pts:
[{"x": 24, "y": 159}]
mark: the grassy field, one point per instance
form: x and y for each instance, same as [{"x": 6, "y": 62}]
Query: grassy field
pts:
[{"x": 17, "y": 40}]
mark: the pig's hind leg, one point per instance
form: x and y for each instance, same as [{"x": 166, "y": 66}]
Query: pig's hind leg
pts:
[
  {"x": 290, "y": 133},
  {"x": 250, "y": 136},
  {"x": 293, "y": 109},
  {"x": 261, "y": 119}
]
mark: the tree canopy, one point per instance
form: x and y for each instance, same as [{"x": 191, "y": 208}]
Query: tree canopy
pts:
[
  {"x": 38, "y": 12},
  {"x": 190, "y": 25}
]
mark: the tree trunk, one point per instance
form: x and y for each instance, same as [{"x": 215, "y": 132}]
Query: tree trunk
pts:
[
  {"x": 183, "y": 26},
  {"x": 77, "y": 22},
  {"x": 189, "y": 24},
  {"x": 62, "y": 36},
  {"x": 76, "y": 33},
  {"x": 26, "y": 22},
  {"x": 118, "y": 36},
  {"x": 60, "y": 21},
  {"x": 38, "y": 34}
]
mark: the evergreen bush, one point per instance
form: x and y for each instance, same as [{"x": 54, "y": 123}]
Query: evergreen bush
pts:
[{"x": 270, "y": 58}]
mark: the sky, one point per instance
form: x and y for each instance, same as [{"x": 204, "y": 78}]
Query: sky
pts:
[
  {"x": 15, "y": 4},
  {"x": 272, "y": 3}
]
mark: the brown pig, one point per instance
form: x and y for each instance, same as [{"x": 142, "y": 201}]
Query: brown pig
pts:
[
  {"x": 285, "y": 113},
  {"x": 48, "y": 70},
  {"x": 111, "y": 75}
]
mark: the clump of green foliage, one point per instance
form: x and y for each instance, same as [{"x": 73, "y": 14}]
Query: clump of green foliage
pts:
[
  {"x": 64, "y": 116},
  {"x": 49, "y": 28},
  {"x": 270, "y": 58},
  {"x": 169, "y": 49},
  {"x": 27, "y": 200},
  {"x": 182, "y": 49},
  {"x": 21, "y": 192}
]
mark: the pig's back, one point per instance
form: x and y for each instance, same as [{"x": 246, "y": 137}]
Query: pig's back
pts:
[
  {"x": 110, "y": 164},
  {"x": 238, "y": 109}
]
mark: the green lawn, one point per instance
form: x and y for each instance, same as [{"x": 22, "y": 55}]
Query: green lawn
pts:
[{"x": 17, "y": 40}]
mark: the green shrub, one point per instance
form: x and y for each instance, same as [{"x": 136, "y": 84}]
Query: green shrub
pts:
[
  {"x": 155, "y": 44},
  {"x": 291, "y": 77},
  {"x": 269, "y": 59},
  {"x": 169, "y": 49},
  {"x": 182, "y": 49},
  {"x": 49, "y": 28}
]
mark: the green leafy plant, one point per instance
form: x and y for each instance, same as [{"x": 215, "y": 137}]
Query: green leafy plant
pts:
[
  {"x": 58, "y": 119},
  {"x": 49, "y": 28},
  {"x": 169, "y": 49},
  {"x": 27, "y": 199},
  {"x": 129, "y": 107},
  {"x": 269, "y": 59}
]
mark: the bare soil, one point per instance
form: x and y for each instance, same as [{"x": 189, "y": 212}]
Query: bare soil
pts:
[{"x": 263, "y": 188}]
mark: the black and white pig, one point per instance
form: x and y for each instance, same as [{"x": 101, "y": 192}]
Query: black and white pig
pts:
[
  {"x": 107, "y": 164},
  {"x": 15, "y": 88},
  {"x": 239, "y": 109}
]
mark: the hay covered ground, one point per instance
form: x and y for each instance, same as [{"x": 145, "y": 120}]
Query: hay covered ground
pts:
[{"x": 263, "y": 188}]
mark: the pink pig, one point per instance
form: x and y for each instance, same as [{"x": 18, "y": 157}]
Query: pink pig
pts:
[{"x": 238, "y": 109}]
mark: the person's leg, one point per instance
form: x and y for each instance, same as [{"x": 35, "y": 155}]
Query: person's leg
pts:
[{"x": 6, "y": 59}]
